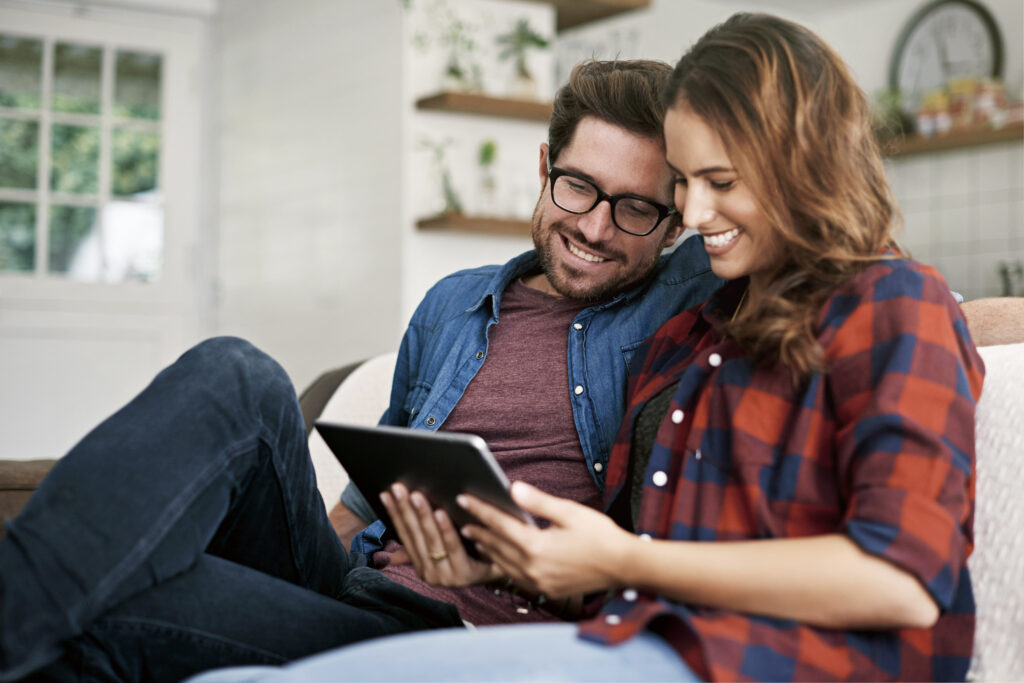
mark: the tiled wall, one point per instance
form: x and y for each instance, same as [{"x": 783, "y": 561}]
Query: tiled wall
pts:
[{"x": 964, "y": 213}]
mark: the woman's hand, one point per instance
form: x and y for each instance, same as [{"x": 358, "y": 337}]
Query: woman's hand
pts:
[
  {"x": 432, "y": 542},
  {"x": 579, "y": 553}
]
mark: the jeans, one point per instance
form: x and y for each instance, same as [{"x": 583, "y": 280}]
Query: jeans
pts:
[
  {"x": 518, "y": 652},
  {"x": 186, "y": 532}
]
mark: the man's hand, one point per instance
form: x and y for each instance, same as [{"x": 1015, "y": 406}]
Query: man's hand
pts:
[
  {"x": 346, "y": 524},
  {"x": 432, "y": 542},
  {"x": 579, "y": 553}
]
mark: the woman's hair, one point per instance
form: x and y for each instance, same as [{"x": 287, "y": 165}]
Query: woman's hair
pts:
[
  {"x": 797, "y": 128},
  {"x": 626, "y": 93}
]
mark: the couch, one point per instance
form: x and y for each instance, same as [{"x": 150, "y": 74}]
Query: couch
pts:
[{"x": 358, "y": 393}]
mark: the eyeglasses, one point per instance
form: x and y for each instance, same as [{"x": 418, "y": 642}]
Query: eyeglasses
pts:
[{"x": 631, "y": 213}]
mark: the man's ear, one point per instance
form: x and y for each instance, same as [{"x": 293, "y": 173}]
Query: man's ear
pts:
[
  {"x": 543, "y": 165},
  {"x": 674, "y": 231}
]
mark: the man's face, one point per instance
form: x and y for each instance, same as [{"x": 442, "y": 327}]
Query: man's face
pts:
[{"x": 584, "y": 256}]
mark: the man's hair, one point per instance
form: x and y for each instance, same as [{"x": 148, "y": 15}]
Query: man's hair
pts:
[
  {"x": 797, "y": 128},
  {"x": 625, "y": 93}
]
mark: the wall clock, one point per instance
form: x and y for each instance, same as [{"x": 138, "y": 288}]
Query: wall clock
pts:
[{"x": 944, "y": 40}]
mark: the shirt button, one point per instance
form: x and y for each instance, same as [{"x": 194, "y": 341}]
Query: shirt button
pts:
[
  {"x": 598, "y": 467},
  {"x": 698, "y": 455},
  {"x": 430, "y": 421},
  {"x": 578, "y": 390},
  {"x": 577, "y": 326},
  {"x": 479, "y": 355},
  {"x": 659, "y": 478},
  {"x": 714, "y": 360},
  {"x": 613, "y": 619},
  {"x": 677, "y": 416},
  {"x": 629, "y": 594},
  {"x": 645, "y": 537}
]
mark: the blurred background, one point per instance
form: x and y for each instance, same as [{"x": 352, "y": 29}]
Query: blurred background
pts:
[{"x": 300, "y": 172}]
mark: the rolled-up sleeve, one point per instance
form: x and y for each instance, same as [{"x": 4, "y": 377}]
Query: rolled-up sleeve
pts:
[{"x": 905, "y": 379}]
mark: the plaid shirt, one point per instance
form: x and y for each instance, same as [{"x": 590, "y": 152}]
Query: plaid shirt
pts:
[{"x": 880, "y": 448}]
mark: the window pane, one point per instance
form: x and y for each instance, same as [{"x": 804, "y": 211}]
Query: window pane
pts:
[
  {"x": 75, "y": 158},
  {"x": 74, "y": 242},
  {"x": 76, "y": 79},
  {"x": 19, "y": 153},
  {"x": 136, "y": 156},
  {"x": 17, "y": 236},
  {"x": 21, "y": 72},
  {"x": 137, "y": 85},
  {"x": 133, "y": 241}
]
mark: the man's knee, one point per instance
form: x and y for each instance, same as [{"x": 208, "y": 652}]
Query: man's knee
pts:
[{"x": 232, "y": 359}]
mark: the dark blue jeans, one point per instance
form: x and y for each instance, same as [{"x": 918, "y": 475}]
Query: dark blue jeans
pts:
[{"x": 186, "y": 532}]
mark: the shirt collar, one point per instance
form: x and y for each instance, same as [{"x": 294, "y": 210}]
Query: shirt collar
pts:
[
  {"x": 686, "y": 261},
  {"x": 722, "y": 304}
]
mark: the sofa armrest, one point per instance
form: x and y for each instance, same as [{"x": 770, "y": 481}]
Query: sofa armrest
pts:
[
  {"x": 18, "y": 479},
  {"x": 315, "y": 397}
]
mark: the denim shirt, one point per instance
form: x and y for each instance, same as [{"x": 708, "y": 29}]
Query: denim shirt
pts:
[{"x": 446, "y": 343}]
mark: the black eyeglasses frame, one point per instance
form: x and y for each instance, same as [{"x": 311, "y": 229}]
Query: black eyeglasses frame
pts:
[{"x": 554, "y": 173}]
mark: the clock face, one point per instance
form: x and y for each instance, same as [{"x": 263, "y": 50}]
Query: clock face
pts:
[{"x": 946, "y": 40}]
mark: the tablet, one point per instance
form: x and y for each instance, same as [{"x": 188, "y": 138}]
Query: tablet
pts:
[{"x": 440, "y": 465}]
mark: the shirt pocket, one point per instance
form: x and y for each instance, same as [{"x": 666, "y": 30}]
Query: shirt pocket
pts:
[
  {"x": 629, "y": 351},
  {"x": 415, "y": 398}
]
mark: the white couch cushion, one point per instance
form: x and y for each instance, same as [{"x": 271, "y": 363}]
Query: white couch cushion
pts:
[
  {"x": 997, "y": 565},
  {"x": 361, "y": 399}
]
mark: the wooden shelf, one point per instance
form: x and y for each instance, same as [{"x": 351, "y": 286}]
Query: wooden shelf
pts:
[
  {"x": 575, "y": 12},
  {"x": 972, "y": 138},
  {"x": 478, "y": 224},
  {"x": 472, "y": 103}
]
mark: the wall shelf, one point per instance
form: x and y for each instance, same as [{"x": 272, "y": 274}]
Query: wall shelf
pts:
[
  {"x": 972, "y": 138},
  {"x": 572, "y": 13},
  {"x": 478, "y": 224},
  {"x": 473, "y": 103}
]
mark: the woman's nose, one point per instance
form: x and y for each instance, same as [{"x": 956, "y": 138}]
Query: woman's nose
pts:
[{"x": 697, "y": 211}]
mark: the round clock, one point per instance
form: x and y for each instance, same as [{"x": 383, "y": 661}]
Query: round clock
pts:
[{"x": 944, "y": 40}]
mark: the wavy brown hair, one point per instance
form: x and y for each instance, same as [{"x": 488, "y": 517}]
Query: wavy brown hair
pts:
[{"x": 797, "y": 128}]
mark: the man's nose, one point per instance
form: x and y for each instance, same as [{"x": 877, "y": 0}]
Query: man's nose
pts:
[{"x": 597, "y": 224}]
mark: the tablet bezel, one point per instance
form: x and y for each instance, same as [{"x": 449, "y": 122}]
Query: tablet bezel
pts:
[{"x": 440, "y": 465}]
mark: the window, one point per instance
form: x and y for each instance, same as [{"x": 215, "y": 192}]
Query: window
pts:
[{"x": 80, "y": 148}]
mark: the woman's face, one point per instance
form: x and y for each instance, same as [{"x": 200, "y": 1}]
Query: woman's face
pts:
[{"x": 714, "y": 200}]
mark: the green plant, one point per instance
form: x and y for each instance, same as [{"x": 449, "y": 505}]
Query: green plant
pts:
[
  {"x": 516, "y": 42},
  {"x": 437, "y": 150},
  {"x": 449, "y": 32},
  {"x": 888, "y": 120},
  {"x": 488, "y": 153}
]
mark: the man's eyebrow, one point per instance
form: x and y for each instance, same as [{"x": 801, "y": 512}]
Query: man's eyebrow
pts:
[{"x": 578, "y": 172}]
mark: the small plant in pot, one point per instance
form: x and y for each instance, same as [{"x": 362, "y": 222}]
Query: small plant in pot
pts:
[{"x": 515, "y": 45}]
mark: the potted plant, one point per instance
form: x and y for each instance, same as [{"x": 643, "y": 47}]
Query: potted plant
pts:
[
  {"x": 486, "y": 156},
  {"x": 515, "y": 44},
  {"x": 452, "y": 204}
]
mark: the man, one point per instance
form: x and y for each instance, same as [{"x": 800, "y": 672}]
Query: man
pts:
[{"x": 185, "y": 532}]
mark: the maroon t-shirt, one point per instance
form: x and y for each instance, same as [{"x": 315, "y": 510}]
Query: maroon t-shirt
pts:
[{"x": 519, "y": 402}]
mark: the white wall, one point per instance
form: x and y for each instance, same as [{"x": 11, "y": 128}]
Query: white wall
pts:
[{"x": 310, "y": 144}]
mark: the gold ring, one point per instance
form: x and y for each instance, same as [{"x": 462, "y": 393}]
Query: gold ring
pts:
[{"x": 438, "y": 556}]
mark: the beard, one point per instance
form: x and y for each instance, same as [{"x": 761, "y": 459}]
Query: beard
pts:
[{"x": 575, "y": 284}]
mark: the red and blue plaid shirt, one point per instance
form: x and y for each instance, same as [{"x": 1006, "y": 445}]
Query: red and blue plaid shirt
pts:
[{"x": 880, "y": 448}]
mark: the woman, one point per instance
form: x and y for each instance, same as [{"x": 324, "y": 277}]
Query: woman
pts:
[{"x": 796, "y": 466}]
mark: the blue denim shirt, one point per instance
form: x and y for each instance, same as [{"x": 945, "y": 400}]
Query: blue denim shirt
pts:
[{"x": 447, "y": 340}]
